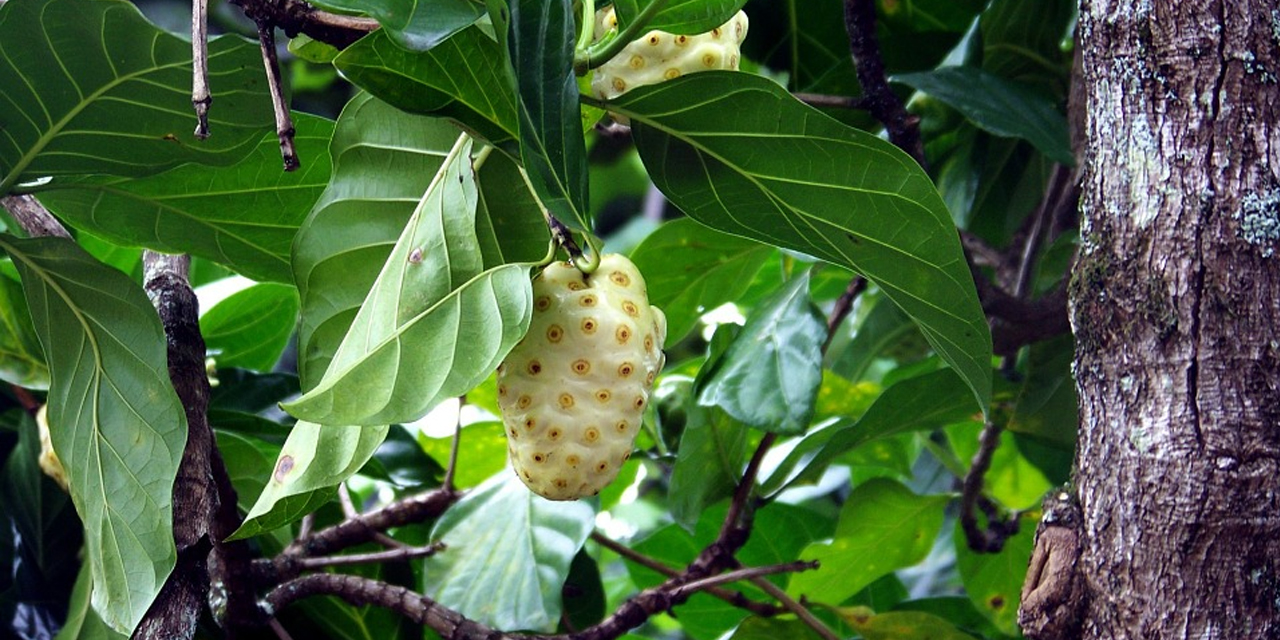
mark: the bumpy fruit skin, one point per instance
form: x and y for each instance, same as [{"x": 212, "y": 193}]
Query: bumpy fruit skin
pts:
[
  {"x": 660, "y": 56},
  {"x": 573, "y": 392}
]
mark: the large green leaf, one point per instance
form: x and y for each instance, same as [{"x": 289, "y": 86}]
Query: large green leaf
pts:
[
  {"x": 883, "y": 527},
  {"x": 243, "y": 216},
  {"x": 114, "y": 418},
  {"x": 463, "y": 78},
  {"x": 993, "y": 581},
  {"x": 690, "y": 269},
  {"x": 21, "y": 359},
  {"x": 417, "y": 25},
  {"x": 313, "y": 460},
  {"x": 1023, "y": 39},
  {"x": 541, "y": 45},
  {"x": 689, "y": 17},
  {"x": 712, "y": 453},
  {"x": 999, "y": 106},
  {"x": 769, "y": 377},
  {"x": 433, "y": 326},
  {"x": 508, "y": 553},
  {"x": 251, "y": 327},
  {"x": 885, "y": 327},
  {"x": 925, "y": 402},
  {"x": 740, "y": 154},
  {"x": 90, "y": 87},
  {"x": 82, "y": 622},
  {"x": 901, "y": 625}
]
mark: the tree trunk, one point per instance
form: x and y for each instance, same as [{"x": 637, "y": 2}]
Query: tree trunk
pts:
[{"x": 1176, "y": 312}]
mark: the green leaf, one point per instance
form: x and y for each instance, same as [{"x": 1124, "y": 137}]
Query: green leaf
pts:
[
  {"x": 807, "y": 40},
  {"x": 417, "y": 25},
  {"x": 769, "y": 377},
  {"x": 691, "y": 269},
  {"x": 541, "y": 46},
  {"x": 993, "y": 582},
  {"x": 508, "y": 554},
  {"x": 114, "y": 418},
  {"x": 82, "y": 622},
  {"x": 509, "y": 221},
  {"x": 883, "y": 527},
  {"x": 243, "y": 216},
  {"x": 708, "y": 465},
  {"x": 738, "y": 153},
  {"x": 883, "y": 328},
  {"x": 21, "y": 358},
  {"x": 999, "y": 106},
  {"x": 921, "y": 403},
  {"x": 689, "y": 17},
  {"x": 313, "y": 460},
  {"x": 772, "y": 629},
  {"x": 1024, "y": 40},
  {"x": 901, "y": 625},
  {"x": 250, "y": 328},
  {"x": 583, "y": 593},
  {"x": 463, "y": 78},
  {"x": 113, "y": 94},
  {"x": 433, "y": 326},
  {"x": 248, "y": 464},
  {"x": 1047, "y": 404}
]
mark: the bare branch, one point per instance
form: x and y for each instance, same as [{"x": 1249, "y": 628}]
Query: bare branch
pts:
[
  {"x": 992, "y": 539},
  {"x": 844, "y": 304},
  {"x": 877, "y": 98},
  {"x": 296, "y": 16},
  {"x": 200, "y": 97},
  {"x": 284, "y": 119},
  {"x": 33, "y": 217},
  {"x": 401, "y": 554},
  {"x": 279, "y": 629},
  {"x": 449, "y": 471},
  {"x": 802, "y": 612},
  {"x": 690, "y": 588}
]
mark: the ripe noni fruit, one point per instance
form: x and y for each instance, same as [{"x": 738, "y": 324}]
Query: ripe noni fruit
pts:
[
  {"x": 660, "y": 56},
  {"x": 48, "y": 460},
  {"x": 573, "y": 392}
]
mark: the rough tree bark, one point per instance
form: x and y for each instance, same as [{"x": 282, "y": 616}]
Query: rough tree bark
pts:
[{"x": 1175, "y": 305}]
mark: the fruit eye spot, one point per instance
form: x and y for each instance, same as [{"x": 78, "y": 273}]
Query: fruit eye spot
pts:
[
  {"x": 602, "y": 467},
  {"x": 715, "y": 33},
  {"x": 535, "y": 367},
  {"x": 603, "y": 395},
  {"x": 733, "y": 62},
  {"x": 561, "y": 483},
  {"x": 554, "y": 333},
  {"x": 626, "y": 369},
  {"x": 671, "y": 74},
  {"x": 654, "y": 40},
  {"x": 619, "y": 84},
  {"x": 619, "y": 278},
  {"x": 539, "y": 458},
  {"x": 572, "y": 460},
  {"x": 626, "y": 456},
  {"x": 566, "y": 400},
  {"x": 529, "y": 424},
  {"x": 588, "y": 325},
  {"x": 524, "y": 401},
  {"x": 574, "y": 285},
  {"x": 527, "y": 476},
  {"x": 587, "y": 301},
  {"x": 514, "y": 434},
  {"x": 554, "y": 433},
  {"x": 648, "y": 380},
  {"x": 581, "y": 367},
  {"x": 631, "y": 308},
  {"x": 710, "y": 60},
  {"x": 639, "y": 403},
  {"x": 623, "y": 334},
  {"x": 636, "y": 62},
  {"x": 622, "y": 426},
  {"x": 542, "y": 303},
  {"x": 682, "y": 40},
  {"x": 502, "y": 390},
  {"x": 648, "y": 342},
  {"x": 591, "y": 434}
]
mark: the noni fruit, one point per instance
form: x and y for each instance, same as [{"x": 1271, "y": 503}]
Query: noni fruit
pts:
[
  {"x": 572, "y": 393},
  {"x": 662, "y": 56}
]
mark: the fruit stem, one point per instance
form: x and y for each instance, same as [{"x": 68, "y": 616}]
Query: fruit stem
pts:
[
  {"x": 588, "y": 263},
  {"x": 588, "y": 28},
  {"x": 608, "y": 47}
]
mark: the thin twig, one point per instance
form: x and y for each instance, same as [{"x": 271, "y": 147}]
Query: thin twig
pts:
[
  {"x": 844, "y": 304},
  {"x": 738, "y": 506},
  {"x": 284, "y": 120},
  {"x": 742, "y": 574},
  {"x": 795, "y": 607},
  {"x": 33, "y": 217},
  {"x": 992, "y": 539},
  {"x": 29, "y": 402},
  {"x": 390, "y": 555},
  {"x": 836, "y": 102},
  {"x": 279, "y": 629},
  {"x": 450, "y": 470},
  {"x": 304, "y": 527},
  {"x": 350, "y": 512},
  {"x": 735, "y": 598},
  {"x": 879, "y": 100},
  {"x": 200, "y": 96}
]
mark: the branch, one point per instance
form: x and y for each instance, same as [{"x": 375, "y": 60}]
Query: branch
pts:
[
  {"x": 33, "y": 217},
  {"x": 449, "y": 471},
  {"x": 877, "y": 98},
  {"x": 735, "y": 598},
  {"x": 349, "y": 511},
  {"x": 284, "y": 120},
  {"x": 844, "y": 304},
  {"x": 800, "y": 610},
  {"x": 295, "y": 16},
  {"x": 200, "y": 97},
  {"x": 399, "y": 554},
  {"x": 992, "y": 539}
]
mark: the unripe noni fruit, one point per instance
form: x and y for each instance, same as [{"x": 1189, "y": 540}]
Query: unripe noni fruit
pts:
[
  {"x": 660, "y": 56},
  {"x": 573, "y": 392},
  {"x": 49, "y": 462}
]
